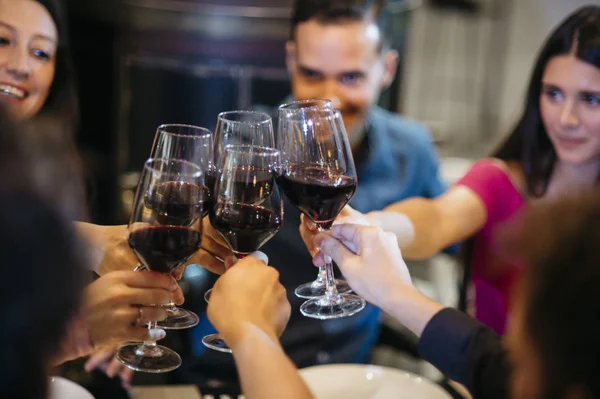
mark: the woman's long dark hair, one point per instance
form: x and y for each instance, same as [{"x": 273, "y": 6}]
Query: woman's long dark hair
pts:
[
  {"x": 529, "y": 143},
  {"x": 62, "y": 104}
]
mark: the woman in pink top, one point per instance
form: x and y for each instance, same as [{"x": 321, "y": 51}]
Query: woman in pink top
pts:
[{"x": 553, "y": 150}]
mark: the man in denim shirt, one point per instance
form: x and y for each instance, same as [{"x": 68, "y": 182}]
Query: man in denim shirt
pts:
[{"x": 340, "y": 50}]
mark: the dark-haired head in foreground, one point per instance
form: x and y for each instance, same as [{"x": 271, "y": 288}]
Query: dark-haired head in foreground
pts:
[
  {"x": 553, "y": 337},
  {"x": 41, "y": 262}
]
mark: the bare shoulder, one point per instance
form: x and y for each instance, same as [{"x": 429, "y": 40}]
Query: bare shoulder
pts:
[{"x": 514, "y": 170}]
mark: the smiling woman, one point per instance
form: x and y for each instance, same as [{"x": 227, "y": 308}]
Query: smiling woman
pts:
[{"x": 36, "y": 77}]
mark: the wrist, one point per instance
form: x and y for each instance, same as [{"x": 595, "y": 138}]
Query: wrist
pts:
[
  {"x": 397, "y": 223},
  {"x": 410, "y": 307},
  {"x": 374, "y": 218},
  {"x": 245, "y": 333}
]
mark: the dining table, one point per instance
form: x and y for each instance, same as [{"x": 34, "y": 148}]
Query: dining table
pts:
[{"x": 174, "y": 391}]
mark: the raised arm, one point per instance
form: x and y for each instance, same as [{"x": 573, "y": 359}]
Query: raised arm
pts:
[
  {"x": 421, "y": 226},
  {"x": 426, "y": 226},
  {"x": 249, "y": 308},
  {"x": 458, "y": 345}
]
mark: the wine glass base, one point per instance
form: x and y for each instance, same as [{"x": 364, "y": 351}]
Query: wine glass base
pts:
[
  {"x": 179, "y": 320},
  {"x": 324, "y": 308},
  {"x": 159, "y": 359},
  {"x": 207, "y": 295},
  {"x": 317, "y": 289},
  {"x": 215, "y": 342}
]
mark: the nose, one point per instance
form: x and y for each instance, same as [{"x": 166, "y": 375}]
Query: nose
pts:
[
  {"x": 568, "y": 116},
  {"x": 18, "y": 65},
  {"x": 330, "y": 93}
]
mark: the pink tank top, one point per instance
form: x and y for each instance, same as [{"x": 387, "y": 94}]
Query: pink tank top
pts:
[{"x": 492, "y": 279}]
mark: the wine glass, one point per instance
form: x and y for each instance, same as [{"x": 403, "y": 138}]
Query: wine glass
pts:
[
  {"x": 248, "y": 209},
  {"x": 241, "y": 128},
  {"x": 189, "y": 143},
  {"x": 287, "y": 114},
  {"x": 193, "y": 144},
  {"x": 165, "y": 229},
  {"x": 318, "y": 176}
]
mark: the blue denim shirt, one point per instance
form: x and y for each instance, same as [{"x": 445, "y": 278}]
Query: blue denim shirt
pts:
[{"x": 400, "y": 162}]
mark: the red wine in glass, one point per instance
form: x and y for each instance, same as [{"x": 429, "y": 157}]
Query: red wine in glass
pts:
[
  {"x": 163, "y": 248},
  {"x": 245, "y": 227},
  {"x": 317, "y": 192},
  {"x": 176, "y": 203},
  {"x": 209, "y": 193}
]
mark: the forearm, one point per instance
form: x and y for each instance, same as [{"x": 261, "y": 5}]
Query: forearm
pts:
[
  {"x": 411, "y": 308},
  {"x": 415, "y": 222},
  {"x": 93, "y": 234},
  {"x": 264, "y": 369}
]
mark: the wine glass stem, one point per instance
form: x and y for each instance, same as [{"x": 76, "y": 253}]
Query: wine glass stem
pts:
[
  {"x": 330, "y": 288},
  {"x": 322, "y": 275},
  {"x": 171, "y": 308},
  {"x": 149, "y": 348}
]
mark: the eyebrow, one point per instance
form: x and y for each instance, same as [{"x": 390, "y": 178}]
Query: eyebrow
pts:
[
  {"x": 584, "y": 92},
  {"x": 547, "y": 85},
  {"x": 45, "y": 37},
  {"x": 7, "y": 26},
  {"x": 306, "y": 69},
  {"x": 36, "y": 36},
  {"x": 355, "y": 72}
]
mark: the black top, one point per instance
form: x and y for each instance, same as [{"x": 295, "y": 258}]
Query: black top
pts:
[{"x": 468, "y": 352}]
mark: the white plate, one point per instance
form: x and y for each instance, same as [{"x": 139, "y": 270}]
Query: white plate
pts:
[
  {"x": 356, "y": 381},
  {"x": 61, "y": 388}
]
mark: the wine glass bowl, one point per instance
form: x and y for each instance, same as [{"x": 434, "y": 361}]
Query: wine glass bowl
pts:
[
  {"x": 242, "y": 128},
  {"x": 190, "y": 143}
]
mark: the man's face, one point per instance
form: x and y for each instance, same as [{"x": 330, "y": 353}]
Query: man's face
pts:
[{"x": 341, "y": 62}]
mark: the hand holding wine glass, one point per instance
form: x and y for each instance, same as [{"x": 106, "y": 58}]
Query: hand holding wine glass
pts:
[
  {"x": 288, "y": 121},
  {"x": 165, "y": 230},
  {"x": 249, "y": 296},
  {"x": 113, "y": 304},
  {"x": 248, "y": 208},
  {"x": 237, "y": 128},
  {"x": 319, "y": 178}
]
